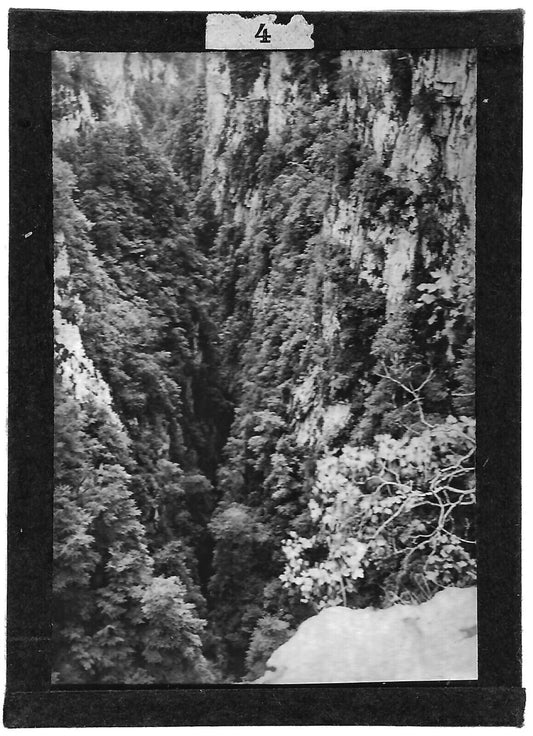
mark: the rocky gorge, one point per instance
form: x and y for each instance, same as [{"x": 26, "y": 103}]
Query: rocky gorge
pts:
[{"x": 265, "y": 372}]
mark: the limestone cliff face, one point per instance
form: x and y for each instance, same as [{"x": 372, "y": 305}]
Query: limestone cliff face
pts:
[
  {"x": 74, "y": 367},
  {"x": 412, "y": 114},
  {"x": 218, "y": 89},
  {"x": 106, "y": 85},
  {"x": 426, "y": 117},
  {"x": 437, "y": 129},
  {"x": 432, "y": 124},
  {"x": 105, "y": 90}
]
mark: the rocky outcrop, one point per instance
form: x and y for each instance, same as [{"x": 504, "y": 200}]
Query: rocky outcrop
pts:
[
  {"x": 117, "y": 76},
  {"x": 75, "y": 369},
  {"x": 436, "y": 640},
  {"x": 431, "y": 126}
]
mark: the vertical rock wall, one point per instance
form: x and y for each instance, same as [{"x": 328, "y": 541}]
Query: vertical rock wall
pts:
[
  {"x": 414, "y": 114},
  {"x": 74, "y": 367}
]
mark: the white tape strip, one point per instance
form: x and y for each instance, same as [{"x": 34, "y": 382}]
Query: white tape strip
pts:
[{"x": 232, "y": 31}]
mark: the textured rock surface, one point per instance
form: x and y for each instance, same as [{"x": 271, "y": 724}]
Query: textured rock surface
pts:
[
  {"x": 75, "y": 369},
  {"x": 434, "y": 131},
  {"x": 436, "y": 640}
]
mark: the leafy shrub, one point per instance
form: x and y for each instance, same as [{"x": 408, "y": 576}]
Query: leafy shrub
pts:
[
  {"x": 269, "y": 634},
  {"x": 400, "y": 63},
  {"x": 400, "y": 511},
  {"x": 244, "y": 69},
  {"x": 427, "y": 105}
]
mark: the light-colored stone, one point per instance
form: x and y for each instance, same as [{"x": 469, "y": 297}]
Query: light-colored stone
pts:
[{"x": 436, "y": 640}]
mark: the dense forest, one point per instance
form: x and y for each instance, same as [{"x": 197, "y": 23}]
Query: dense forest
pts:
[{"x": 264, "y": 327}]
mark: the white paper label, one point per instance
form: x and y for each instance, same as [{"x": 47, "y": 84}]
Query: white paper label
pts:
[{"x": 232, "y": 31}]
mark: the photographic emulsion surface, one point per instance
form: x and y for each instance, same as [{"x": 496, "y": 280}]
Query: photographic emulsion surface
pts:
[{"x": 271, "y": 431}]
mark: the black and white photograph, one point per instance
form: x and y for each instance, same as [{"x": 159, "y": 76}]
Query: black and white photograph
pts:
[
  {"x": 265, "y": 367},
  {"x": 264, "y": 364}
]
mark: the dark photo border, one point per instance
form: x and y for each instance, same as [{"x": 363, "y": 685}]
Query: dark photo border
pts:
[{"x": 496, "y": 698}]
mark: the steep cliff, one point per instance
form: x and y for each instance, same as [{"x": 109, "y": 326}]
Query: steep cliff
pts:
[
  {"x": 345, "y": 191},
  {"x": 273, "y": 299}
]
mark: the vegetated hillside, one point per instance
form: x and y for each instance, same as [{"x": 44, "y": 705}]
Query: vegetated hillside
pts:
[{"x": 265, "y": 349}]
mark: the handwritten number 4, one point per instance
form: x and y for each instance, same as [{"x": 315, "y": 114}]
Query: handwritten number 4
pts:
[{"x": 263, "y": 34}]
